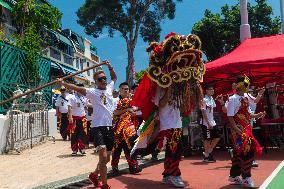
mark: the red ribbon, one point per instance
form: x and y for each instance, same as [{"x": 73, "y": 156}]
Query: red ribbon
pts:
[{"x": 248, "y": 134}]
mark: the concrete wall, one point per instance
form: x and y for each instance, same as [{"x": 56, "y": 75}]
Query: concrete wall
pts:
[
  {"x": 52, "y": 123},
  {"x": 4, "y": 125}
]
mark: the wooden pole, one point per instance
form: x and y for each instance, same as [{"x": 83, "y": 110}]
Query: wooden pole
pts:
[{"x": 48, "y": 84}]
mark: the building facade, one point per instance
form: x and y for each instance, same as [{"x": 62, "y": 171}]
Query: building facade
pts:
[{"x": 68, "y": 51}]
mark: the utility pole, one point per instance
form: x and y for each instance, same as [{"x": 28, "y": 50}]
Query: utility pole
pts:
[
  {"x": 245, "y": 27},
  {"x": 282, "y": 15}
]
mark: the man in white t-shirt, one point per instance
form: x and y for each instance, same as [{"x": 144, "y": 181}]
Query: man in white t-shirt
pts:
[
  {"x": 170, "y": 129},
  {"x": 61, "y": 105},
  {"x": 210, "y": 133},
  {"x": 78, "y": 122},
  {"x": 103, "y": 106}
]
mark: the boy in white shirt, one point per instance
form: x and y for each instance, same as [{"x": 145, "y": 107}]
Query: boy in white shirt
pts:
[
  {"x": 61, "y": 105},
  {"x": 78, "y": 120},
  {"x": 210, "y": 133},
  {"x": 171, "y": 130},
  {"x": 245, "y": 145}
]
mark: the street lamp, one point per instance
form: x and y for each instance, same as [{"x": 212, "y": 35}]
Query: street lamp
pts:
[{"x": 245, "y": 27}]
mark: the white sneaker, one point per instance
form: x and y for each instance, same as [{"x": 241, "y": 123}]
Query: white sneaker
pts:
[
  {"x": 166, "y": 180},
  {"x": 235, "y": 180},
  {"x": 177, "y": 181},
  {"x": 248, "y": 182}
]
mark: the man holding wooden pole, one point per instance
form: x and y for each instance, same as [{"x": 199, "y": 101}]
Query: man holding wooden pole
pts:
[{"x": 103, "y": 107}]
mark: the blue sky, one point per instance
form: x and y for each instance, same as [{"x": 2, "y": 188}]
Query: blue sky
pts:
[{"x": 114, "y": 49}]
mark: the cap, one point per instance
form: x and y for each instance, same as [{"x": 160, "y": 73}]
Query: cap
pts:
[{"x": 62, "y": 88}]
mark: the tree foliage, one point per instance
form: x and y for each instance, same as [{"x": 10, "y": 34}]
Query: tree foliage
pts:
[
  {"x": 139, "y": 75},
  {"x": 39, "y": 14},
  {"x": 220, "y": 32},
  {"x": 128, "y": 17},
  {"x": 32, "y": 18}
]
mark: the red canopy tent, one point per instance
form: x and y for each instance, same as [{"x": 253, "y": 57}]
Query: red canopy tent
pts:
[{"x": 261, "y": 59}]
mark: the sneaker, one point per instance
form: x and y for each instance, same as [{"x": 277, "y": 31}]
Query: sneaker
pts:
[
  {"x": 105, "y": 186},
  {"x": 166, "y": 180},
  {"x": 94, "y": 178},
  {"x": 254, "y": 164},
  {"x": 83, "y": 153},
  {"x": 211, "y": 159},
  {"x": 115, "y": 170},
  {"x": 176, "y": 181},
  {"x": 205, "y": 159},
  {"x": 74, "y": 153},
  {"x": 135, "y": 170},
  {"x": 235, "y": 180},
  {"x": 231, "y": 153},
  {"x": 248, "y": 182}
]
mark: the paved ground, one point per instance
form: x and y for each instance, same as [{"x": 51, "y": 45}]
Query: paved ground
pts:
[
  {"x": 51, "y": 162},
  {"x": 196, "y": 174},
  {"x": 43, "y": 164}
]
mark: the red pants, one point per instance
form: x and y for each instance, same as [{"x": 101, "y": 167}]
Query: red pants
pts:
[{"x": 79, "y": 133}]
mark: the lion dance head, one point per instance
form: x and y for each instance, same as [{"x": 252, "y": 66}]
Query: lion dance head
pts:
[{"x": 176, "y": 64}]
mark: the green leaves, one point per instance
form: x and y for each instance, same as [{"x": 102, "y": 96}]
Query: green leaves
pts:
[
  {"x": 30, "y": 42},
  {"x": 220, "y": 32},
  {"x": 32, "y": 18},
  {"x": 139, "y": 75},
  {"x": 128, "y": 17}
]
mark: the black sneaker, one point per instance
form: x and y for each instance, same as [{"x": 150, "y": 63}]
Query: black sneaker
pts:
[
  {"x": 135, "y": 170},
  {"x": 83, "y": 153},
  {"x": 115, "y": 170},
  {"x": 74, "y": 153},
  {"x": 205, "y": 159},
  {"x": 211, "y": 158},
  {"x": 254, "y": 164}
]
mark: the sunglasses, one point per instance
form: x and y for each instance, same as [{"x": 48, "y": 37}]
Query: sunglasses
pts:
[{"x": 102, "y": 78}]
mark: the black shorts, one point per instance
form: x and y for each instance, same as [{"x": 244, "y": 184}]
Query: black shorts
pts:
[
  {"x": 209, "y": 134},
  {"x": 103, "y": 137}
]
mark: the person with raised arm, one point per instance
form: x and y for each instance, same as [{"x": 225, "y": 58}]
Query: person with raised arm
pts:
[{"x": 103, "y": 106}]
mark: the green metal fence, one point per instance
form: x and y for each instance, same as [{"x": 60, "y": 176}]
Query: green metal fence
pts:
[{"x": 14, "y": 74}]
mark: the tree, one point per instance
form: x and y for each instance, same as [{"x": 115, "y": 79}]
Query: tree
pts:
[
  {"x": 139, "y": 75},
  {"x": 220, "y": 32},
  {"x": 33, "y": 18},
  {"x": 128, "y": 17}
]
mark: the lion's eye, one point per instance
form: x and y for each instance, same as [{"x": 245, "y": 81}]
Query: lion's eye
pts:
[
  {"x": 173, "y": 49},
  {"x": 186, "y": 46}
]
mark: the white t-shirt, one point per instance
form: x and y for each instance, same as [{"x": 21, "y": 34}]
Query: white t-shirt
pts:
[
  {"x": 62, "y": 103},
  {"x": 169, "y": 116},
  {"x": 208, "y": 105},
  {"x": 251, "y": 100},
  {"x": 115, "y": 102},
  {"x": 103, "y": 105},
  {"x": 78, "y": 104},
  {"x": 234, "y": 104}
]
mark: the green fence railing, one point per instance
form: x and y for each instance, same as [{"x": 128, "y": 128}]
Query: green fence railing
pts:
[{"x": 14, "y": 75}]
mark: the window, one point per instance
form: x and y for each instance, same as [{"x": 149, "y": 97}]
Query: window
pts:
[
  {"x": 82, "y": 63},
  {"x": 77, "y": 62},
  {"x": 88, "y": 72},
  {"x": 55, "y": 54},
  {"x": 68, "y": 59}
]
